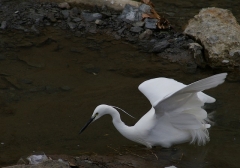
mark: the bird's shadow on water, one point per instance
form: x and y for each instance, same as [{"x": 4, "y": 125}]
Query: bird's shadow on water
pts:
[
  {"x": 155, "y": 157},
  {"x": 179, "y": 156}
]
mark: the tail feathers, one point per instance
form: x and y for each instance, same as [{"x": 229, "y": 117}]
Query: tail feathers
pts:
[
  {"x": 196, "y": 123},
  {"x": 199, "y": 136}
]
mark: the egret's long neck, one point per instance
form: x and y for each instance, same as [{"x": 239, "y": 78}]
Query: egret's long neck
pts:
[{"x": 119, "y": 125}]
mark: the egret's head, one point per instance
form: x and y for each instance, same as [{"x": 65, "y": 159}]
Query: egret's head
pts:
[{"x": 98, "y": 112}]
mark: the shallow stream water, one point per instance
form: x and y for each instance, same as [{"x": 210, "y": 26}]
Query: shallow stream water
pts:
[{"x": 51, "y": 83}]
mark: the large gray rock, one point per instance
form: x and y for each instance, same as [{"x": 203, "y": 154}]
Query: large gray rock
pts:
[{"x": 219, "y": 33}]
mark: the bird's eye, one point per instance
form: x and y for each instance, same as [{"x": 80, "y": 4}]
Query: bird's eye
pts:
[{"x": 96, "y": 114}]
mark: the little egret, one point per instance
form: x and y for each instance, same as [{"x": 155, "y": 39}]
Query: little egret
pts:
[{"x": 176, "y": 115}]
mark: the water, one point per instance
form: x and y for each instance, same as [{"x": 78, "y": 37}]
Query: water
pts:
[{"x": 50, "y": 85}]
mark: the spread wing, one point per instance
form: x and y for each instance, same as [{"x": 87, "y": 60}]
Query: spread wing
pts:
[
  {"x": 159, "y": 88},
  {"x": 187, "y": 97}
]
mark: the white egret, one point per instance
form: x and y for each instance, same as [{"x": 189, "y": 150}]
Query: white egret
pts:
[{"x": 176, "y": 115}]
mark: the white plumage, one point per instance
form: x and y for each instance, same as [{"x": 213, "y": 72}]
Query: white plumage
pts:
[{"x": 176, "y": 115}]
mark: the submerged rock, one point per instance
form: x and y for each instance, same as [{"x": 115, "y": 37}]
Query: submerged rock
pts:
[
  {"x": 219, "y": 33},
  {"x": 160, "y": 46}
]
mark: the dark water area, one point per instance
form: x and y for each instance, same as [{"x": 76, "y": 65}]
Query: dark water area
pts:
[
  {"x": 49, "y": 91},
  {"x": 179, "y": 12},
  {"x": 51, "y": 83}
]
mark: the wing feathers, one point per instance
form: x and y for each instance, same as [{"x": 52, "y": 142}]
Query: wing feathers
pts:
[
  {"x": 185, "y": 121},
  {"x": 204, "y": 84},
  {"x": 177, "y": 100}
]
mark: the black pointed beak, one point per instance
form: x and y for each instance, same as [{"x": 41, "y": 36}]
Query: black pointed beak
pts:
[{"x": 87, "y": 124}]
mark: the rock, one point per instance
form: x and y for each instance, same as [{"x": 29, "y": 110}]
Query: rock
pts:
[
  {"x": 89, "y": 17},
  {"x": 51, "y": 17},
  {"x": 117, "y": 37},
  {"x": 19, "y": 27},
  {"x": 196, "y": 50},
  {"x": 160, "y": 46},
  {"x": 74, "y": 12},
  {"x": 64, "y": 5},
  {"x": 91, "y": 28},
  {"x": 72, "y": 25},
  {"x": 98, "y": 22},
  {"x": 77, "y": 19},
  {"x": 138, "y": 24},
  {"x": 150, "y": 23},
  {"x": 136, "y": 29},
  {"x": 81, "y": 25},
  {"x": 120, "y": 31},
  {"x": 219, "y": 33},
  {"x": 34, "y": 29},
  {"x": 3, "y": 25},
  {"x": 130, "y": 13},
  {"x": 65, "y": 13},
  {"x": 145, "y": 8},
  {"x": 145, "y": 35}
]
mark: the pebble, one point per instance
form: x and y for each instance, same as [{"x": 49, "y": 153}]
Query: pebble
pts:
[
  {"x": 77, "y": 19},
  {"x": 145, "y": 8},
  {"x": 89, "y": 17},
  {"x": 150, "y": 23},
  {"x": 65, "y": 13},
  {"x": 160, "y": 46},
  {"x": 99, "y": 22},
  {"x": 3, "y": 25},
  {"x": 64, "y": 5},
  {"x": 72, "y": 25},
  {"x": 138, "y": 24},
  {"x": 136, "y": 29},
  {"x": 145, "y": 35}
]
